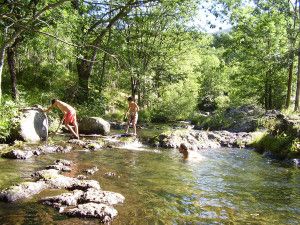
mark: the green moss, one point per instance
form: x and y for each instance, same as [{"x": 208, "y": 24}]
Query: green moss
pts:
[{"x": 282, "y": 145}]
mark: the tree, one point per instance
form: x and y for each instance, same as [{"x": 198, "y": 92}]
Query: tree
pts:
[{"x": 18, "y": 17}]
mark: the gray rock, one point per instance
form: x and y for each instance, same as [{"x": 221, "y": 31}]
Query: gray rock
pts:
[
  {"x": 117, "y": 126},
  {"x": 46, "y": 149},
  {"x": 293, "y": 162},
  {"x": 110, "y": 174},
  {"x": 3, "y": 146},
  {"x": 55, "y": 180},
  {"x": 30, "y": 126},
  {"x": 66, "y": 199},
  {"x": 18, "y": 154},
  {"x": 59, "y": 167},
  {"x": 92, "y": 170},
  {"x": 77, "y": 142},
  {"x": 94, "y": 125},
  {"x": 101, "y": 211},
  {"x": 63, "y": 162},
  {"x": 105, "y": 197},
  {"x": 195, "y": 140},
  {"x": 22, "y": 191},
  {"x": 94, "y": 146},
  {"x": 84, "y": 184},
  {"x": 81, "y": 177},
  {"x": 46, "y": 174}
]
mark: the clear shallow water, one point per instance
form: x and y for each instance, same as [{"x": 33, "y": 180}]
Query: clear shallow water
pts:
[{"x": 228, "y": 186}]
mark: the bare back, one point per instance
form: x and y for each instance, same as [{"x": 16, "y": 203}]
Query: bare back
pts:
[{"x": 64, "y": 107}]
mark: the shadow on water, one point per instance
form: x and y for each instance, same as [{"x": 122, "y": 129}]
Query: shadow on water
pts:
[{"x": 229, "y": 186}]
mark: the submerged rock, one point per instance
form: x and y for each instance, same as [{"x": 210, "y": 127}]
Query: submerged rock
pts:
[
  {"x": 110, "y": 174},
  {"x": 22, "y": 191},
  {"x": 54, "y": 149},
  {"x": 92, "y": 170},
  {"x": 77, "y": 142},
  {"x": 63, "y": 162},
  {"x": 101, "y": 211},
  {"x": 59, "y": 167},
  {"x": 94, "y": 125},
  {"x": 18, "y": 154}
]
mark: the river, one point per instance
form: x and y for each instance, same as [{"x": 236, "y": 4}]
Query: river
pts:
[{"x": 221, "y": 186}]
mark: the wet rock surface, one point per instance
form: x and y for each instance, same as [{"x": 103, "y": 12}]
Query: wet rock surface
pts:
[
  {"x": 22, "y": 191},
  {"x": 86, "y": 198},
  {"x": 196, "y": 140},
  {"x": 92, "y": 170},
  {"x": 18, "y": 154},
  {"x": 104, "y": 213}
]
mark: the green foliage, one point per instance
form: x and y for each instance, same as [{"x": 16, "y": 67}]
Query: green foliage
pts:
[
  {"x": 216, "y": 121},
  {"x": 281, "y": 145},
  {"x": 8, "y": 111}
]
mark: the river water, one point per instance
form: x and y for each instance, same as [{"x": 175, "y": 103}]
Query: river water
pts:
[{"x": 217, "y": 186}]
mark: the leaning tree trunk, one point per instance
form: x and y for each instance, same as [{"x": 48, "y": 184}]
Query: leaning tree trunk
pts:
[{"x": 12, "y": 70}]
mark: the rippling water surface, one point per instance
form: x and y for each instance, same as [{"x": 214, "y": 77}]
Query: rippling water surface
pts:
[{"x": 225, "y": 186}]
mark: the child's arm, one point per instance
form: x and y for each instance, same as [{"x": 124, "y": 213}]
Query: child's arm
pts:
[
  {"x": 137, "y": 107},
  {"x": 48, "y": 109}
]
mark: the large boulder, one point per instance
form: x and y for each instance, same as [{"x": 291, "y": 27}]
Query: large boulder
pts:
[
  {"x": 31, "y": 126},
  {"x": 94, "y": 125}
]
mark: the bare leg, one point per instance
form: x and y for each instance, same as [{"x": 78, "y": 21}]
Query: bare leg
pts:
[
  {"x": 76, "y": 127},
  {"x": 134, "y": 128},
  {"x": 127, "y": 126},
  {"x": 71, "y": 130}
]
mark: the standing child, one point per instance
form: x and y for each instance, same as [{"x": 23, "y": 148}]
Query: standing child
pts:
[
  {"x": 132, "y": 114},
  {"x": 69, "y": 115}
]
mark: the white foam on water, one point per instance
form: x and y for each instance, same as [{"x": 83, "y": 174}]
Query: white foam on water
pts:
[{"x": 136, "y": 146}]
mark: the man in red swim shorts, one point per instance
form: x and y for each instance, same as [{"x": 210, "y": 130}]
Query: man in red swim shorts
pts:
[{"x": 69, "y": 115}]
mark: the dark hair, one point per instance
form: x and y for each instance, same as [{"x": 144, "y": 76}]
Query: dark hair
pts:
[
  {"x": 53, "y": 101},
  {"x": 183, "y": 146},
  {"x": 130, "y": 99}
]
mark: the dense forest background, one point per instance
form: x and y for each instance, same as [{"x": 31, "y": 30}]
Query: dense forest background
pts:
[{"x": 93, "y": 54}]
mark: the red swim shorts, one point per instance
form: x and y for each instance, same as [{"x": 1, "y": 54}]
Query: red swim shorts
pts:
[{"x": 70, "y": 118}]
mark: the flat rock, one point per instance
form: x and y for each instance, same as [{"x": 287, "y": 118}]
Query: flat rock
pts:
[
  {"x": 59, "y": 167},
  {"x": 22, "y": 191},
  {"x": 65, "y": 199},
  {"x": 18, "y": 154},
  {"x": 105, "y": 197},
  {"x": 94, "y": 210},
  {"x": 54, "y": 149}
]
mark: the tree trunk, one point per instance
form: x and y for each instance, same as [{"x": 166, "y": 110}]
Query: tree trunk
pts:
[
  {"x": 84, "y": 74},
  {"x": 268, "y": 89},
  {"x": 2, "y": 54},
  {"x": 298, "y": 83},
  {"x": 289, "y": 85},
  {"x": 12, "y": 70}
]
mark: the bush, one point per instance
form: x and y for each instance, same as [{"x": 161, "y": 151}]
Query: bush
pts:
[{"x": 8, "y": 111}]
